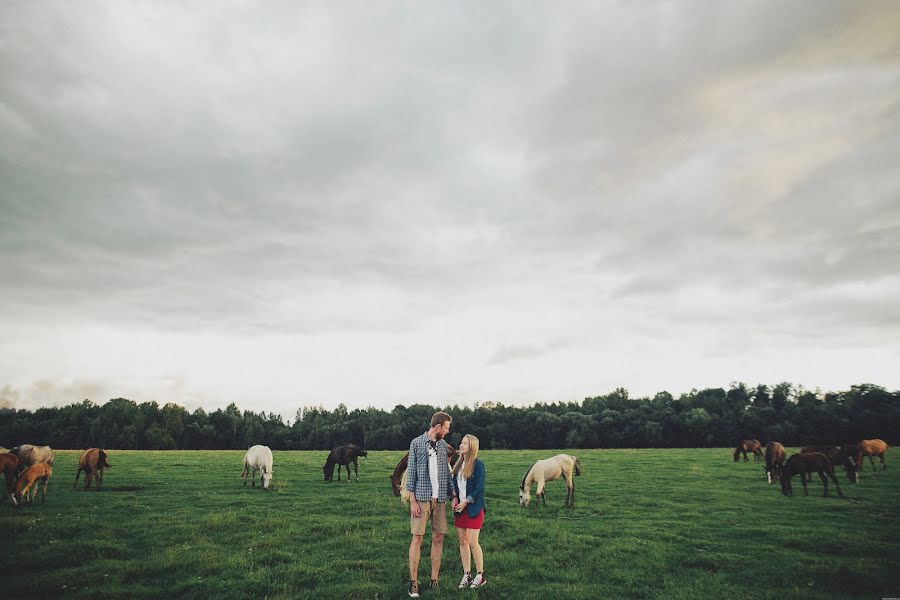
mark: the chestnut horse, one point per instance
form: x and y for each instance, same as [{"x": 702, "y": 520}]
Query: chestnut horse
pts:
[
  {"x": 32, "y": 476},
  {"x": 92, "y": 462},
  {"x": 774, "y": 461},
  {"x": 9, "y": 463},
  {"x": 870, "y": 448},
  {"x": 397, "y": 476},
  {"x": 749, "y": 446},
  {"x": 805, "y": 465}
]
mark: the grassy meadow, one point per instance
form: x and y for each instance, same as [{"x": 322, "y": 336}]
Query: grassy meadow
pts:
[{"x": 648, "y": 524}]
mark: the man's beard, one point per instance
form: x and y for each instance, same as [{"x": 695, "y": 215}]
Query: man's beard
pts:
[{"x": 439, "y": 436}]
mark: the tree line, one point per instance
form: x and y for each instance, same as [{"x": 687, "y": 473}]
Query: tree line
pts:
[{"x": 713, "y": 417}]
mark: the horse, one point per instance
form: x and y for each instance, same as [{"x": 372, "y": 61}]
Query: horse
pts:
[
  {"x": 258, "y": 458},
  {"x": 746, "y": 446},
  {"x": 805, "y": 464},
  {"x": 561, "y": 465},
  {"x": 870, "y": 448},
  {"x": 343, "y": 456},
  {"x": 397, "y": 477},
  {"x": 9, "y": 464},
  {"x": 774, "y": 461},
  {"x": 837, "y": 455},
  {"x": 32, "y": 455},
  {"x": 92, "y": 462},
  {"x": 39, "y": 472}
]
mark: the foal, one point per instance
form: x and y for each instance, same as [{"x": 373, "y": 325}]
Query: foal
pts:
[{"x": 40, "y": 472}]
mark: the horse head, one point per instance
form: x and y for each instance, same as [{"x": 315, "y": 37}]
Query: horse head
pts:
[
  {"x": 266, "y": 478},
  {"x": 395, "y": 484},
  {"x": 524, "y": 496}
]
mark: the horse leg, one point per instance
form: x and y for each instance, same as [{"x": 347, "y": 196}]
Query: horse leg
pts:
[
  {"x": 824, "y": 483},
  {"x": 872, "y": 461},
  {"x": 44, "y": 490},
  {"x": 744, "y": 452},
  {"x": 348, "y": 472},
  {"x": 88, "y": 475},
  {"x": 99, "y": 483},
  {"x": 803, "y": 477},
  {"x": 254, "y": 478},
  {"x": 883, "y": 466},
  {"x": 836, "y": 484},
  {"x": 355, "y": 470}
]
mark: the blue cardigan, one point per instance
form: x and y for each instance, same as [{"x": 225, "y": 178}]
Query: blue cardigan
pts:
[{"x": 474, "y": 489}]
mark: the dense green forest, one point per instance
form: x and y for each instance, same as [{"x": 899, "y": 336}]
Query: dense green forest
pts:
[{"x": 702, "y": 418}]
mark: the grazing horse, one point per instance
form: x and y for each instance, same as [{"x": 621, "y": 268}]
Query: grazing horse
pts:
[
  {"x": 32, "y": 455},
  {"x": 258, "y": 458},
  {"x": 774, "y": 461},
  {"x": 561, "y": 465},
  {"x": 870, "y": 448},
  {"x": 837, "y": 455},
  {"x": 9, "y": 464},
  {"x": 805, "y": 464},
  {"x": 342, "y": 456},
  {"x": 400, "y": 469},
  {"x": 92, "y": 462},
  {"x": 746, "y": 446},
  {"x": 39, "y": 472}
]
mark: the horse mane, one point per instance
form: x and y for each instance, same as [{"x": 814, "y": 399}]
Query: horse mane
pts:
[{"x": 522, "y": 487}]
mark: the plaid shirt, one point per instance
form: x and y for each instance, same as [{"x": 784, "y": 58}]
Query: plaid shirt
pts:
[{"x": 419, "y": 480}]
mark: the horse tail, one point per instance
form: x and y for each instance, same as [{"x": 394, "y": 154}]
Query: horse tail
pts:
[
  {"x": 577, "y": 466},
  {"x": 522, "y": 487},
  {"x": 101, "y": 460}
]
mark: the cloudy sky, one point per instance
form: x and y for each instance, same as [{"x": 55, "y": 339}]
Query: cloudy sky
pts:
[{"x": 286, "y": 204}]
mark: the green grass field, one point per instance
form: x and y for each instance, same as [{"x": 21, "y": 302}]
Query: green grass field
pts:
[{"x": 648, "y": 524}]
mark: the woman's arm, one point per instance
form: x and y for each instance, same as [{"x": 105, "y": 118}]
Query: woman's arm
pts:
[{"x": 477, "y": 484}]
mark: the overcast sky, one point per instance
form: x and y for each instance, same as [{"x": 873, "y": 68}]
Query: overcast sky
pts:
[{"x": 294, "y": 204}]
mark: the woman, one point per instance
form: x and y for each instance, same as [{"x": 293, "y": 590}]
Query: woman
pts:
[{"x": 468, "y": 507}]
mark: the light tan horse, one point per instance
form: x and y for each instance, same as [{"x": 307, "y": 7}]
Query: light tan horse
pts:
[
  {"x": 561, "y": 465},
  {"x": 92, "y": 462}
]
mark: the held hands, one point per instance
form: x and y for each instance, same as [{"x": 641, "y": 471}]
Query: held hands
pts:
[{"x": 460, "y": 506}]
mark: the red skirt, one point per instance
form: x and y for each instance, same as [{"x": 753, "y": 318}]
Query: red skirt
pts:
[{"x": 464, "y": 521}]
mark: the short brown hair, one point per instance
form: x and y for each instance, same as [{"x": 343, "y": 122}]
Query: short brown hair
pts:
[{"x": 439, "y": 418}]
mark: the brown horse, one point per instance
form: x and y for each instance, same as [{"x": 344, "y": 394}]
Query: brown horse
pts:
[
  {"x": 805, "y": 465},
  {"x": 92, "y": 462},
  {"x": 342, "y": 456},
  {"x": 749, "y": 446},
  {"x": 397, "y": 476},
  {"x": 9, "y": 463},
  {"x": 31, "y": 476},
  {"x": 774, "y": 461},
  {"x": 871, "y": 448},
  {"x": 837, "y": 455}
]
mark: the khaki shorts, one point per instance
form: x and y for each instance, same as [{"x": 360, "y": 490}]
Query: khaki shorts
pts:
[{"x": 434, "y": 511}]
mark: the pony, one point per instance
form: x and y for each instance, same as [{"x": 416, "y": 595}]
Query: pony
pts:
[
  {"x": 39, "y": 472},
  {"x": 398, "y": 481},
  {"x": 774, "y": 461},
  {"x": 561, "y": 465},
  {"x": 92, "y": 462},
  {"x": 343, "y": 456},
  {"x": 746, "y": 446},
  {"x": 32, "y": 455},
  {"x": 805, "y": 464},
  {"x": 870, "y": 448},
  {"x": 9, "y": 464},
  {"x": 258, "y": 458},
  {"x": 837, "y": 455}
]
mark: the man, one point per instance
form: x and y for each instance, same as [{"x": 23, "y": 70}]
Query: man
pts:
[{"x": 430, "y": 484}]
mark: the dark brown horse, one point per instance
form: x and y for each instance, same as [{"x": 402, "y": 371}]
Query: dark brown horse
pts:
[
  {"x": 749, "y": 446},
  {"x": 9, "y": 464},
  {"x": 397, "y": 476},
  {"x": 774, "y": 461},
  {"x": 805, "y": 465},
  {"x": 837, "y": 455},
  {"x": 92, "y": 462},
  {"x": 342, "y": 456},
  {"x": 870, "y": 448}
]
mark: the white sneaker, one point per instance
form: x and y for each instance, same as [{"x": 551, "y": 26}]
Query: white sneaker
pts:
[
  {"x": 465, "y": 581},
  {"x": 479, "y": 581}
]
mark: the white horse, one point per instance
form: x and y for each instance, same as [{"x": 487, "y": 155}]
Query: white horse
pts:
[
  {"x": 258, "y": 458},
  {"x": 561, "y": 465}
]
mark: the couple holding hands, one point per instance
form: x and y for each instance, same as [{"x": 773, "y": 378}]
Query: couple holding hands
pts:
[{"x": 430, "y": 483}]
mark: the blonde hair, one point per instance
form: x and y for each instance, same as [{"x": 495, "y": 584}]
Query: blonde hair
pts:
[{"x": 467, "y": 463}]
